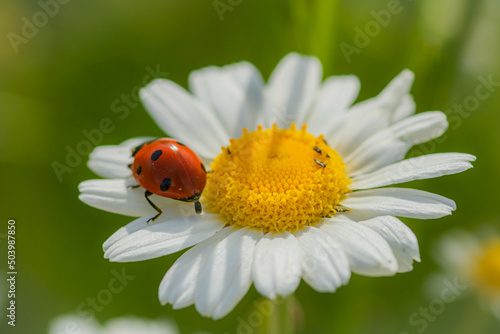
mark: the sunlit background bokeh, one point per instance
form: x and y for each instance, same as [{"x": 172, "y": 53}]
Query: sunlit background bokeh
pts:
[{"x": 67, "y": 75}]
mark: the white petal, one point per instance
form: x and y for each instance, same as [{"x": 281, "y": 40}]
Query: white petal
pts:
[
  {"x": 357, "y": 215},
  {"x": 74, "y": 324},
  {"x": 402, "y": 240},
  {"x": 332, "y": 102},
  {"x": 401, "y": 202},
  {"x": 421, "y": 127},
  {"x": 370, "y": 116},
  {"x": 405, "y": 109},
  {"x": 292, "y": 88},
  {"x": 375, "y": 154},
  {"x": 355, "y": 127},
  {"x": 235, "y": 93},
  {"x": 392, "y": 144},
  {"x": 172, "y": 213},
  {"x": 135, "y": 325},
  {"x": 164, "y": 237},
  {"x": 112, "y": 161},
  {"x": 113, "y": 195},
  {"x": 181, "y": 116},
  {"x": 456, "y": 250},
  {"x": 392, "y": 95},
  {"x": 325, "y": 264},
  {"x": 179, "y": 284},
  {"x": 368, "y": 253},
  {"x": 424, "y": 167},
  {"x": 227, "y": 274},
  {"x": 127, "y": 230},
  {"x": 277, "y": 266}
]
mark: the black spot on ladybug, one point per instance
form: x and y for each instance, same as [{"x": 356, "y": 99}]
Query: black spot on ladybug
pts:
[
  {"x": 165, "y": 184},
  {"x": 139, "y": 170},
  {"x": 203, "y": 167},
  {"x": 180, "y": 143},
  {"x": 156, "y": 155}
]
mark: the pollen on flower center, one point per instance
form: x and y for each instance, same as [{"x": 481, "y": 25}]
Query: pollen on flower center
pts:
[
  {"x": 276, "y": 180},
  {"x": 487, "y": 271}
]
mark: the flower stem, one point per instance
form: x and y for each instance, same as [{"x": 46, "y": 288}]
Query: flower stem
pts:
[{"x": 282, "y": 320}]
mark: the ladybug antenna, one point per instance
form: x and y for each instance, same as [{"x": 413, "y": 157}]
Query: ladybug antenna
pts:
[{"x": 197, "y": 207}]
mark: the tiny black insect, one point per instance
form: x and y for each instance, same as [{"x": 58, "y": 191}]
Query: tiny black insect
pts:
[
  {"x": 320, "y": 163},
  {"x": 341, "y": 210}
]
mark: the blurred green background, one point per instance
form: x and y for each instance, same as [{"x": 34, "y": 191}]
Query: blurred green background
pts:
[{"x": 66, "y": 76}]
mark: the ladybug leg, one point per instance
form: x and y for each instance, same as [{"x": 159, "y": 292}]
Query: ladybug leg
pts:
[
  {"x": 147, "y": 194},
  {"x": 197, "y": 207}
]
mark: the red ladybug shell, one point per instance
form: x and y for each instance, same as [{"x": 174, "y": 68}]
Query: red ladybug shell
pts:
[{"x": 170, "y": 169}]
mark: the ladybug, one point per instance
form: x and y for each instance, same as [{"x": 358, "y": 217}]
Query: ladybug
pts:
[{"x": 168, "y": 168}]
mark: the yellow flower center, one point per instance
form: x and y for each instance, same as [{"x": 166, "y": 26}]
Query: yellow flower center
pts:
[
  {"x": 276, "y": 180},
  {"x": 487, "y": 271}
]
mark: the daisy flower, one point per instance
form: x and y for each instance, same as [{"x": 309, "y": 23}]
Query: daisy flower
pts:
[
  {"x": 296, "y": 191},
  {"x": 73, "y": 324},
  {"x": 473, "y": 259}
]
